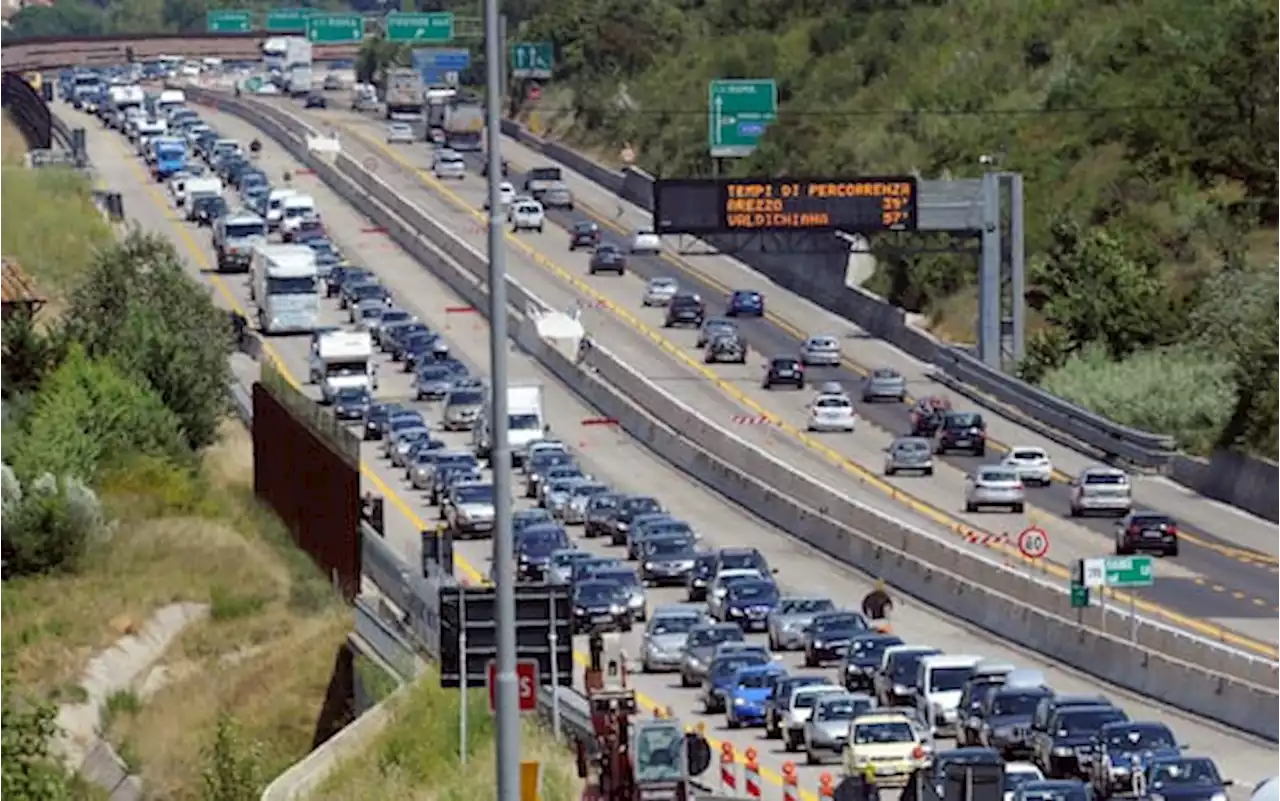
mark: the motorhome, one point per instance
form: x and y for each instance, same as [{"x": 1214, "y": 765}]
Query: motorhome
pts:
[
  {"x": 235, "y": 238},
  {"x": 186, "y": 188},
  {"x": 285, "y": 286},
  {"x": 170, "y": 99},
  {"x": 146, "y": 130},
  {"x": 342, "y": 360},
  {"x": 293, "y": 211},
  {"x": 275, "y": 206},
  {"x": 526, "y": 421}
]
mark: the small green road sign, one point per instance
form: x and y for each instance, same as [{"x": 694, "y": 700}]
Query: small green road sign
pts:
[
  {"x": 287, "y": 20},
  {"x": 435, "y": 27},
  {"x": 253, "y": 84},
  {"x": 739, "y": 112},
  {"x": 532, "y": 60},
  {"x": 1079, "y": 596},
  {"x": 228, "y": 20},
  {"x": 1130, "y": 571},
  {"x": 335, "y": 28}
]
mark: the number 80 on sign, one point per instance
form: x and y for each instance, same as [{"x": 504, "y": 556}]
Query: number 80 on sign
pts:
[{"x": 1033, "y": 542}]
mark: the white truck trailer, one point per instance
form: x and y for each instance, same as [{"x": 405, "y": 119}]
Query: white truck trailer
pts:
[{"x": 285, "y": 286}]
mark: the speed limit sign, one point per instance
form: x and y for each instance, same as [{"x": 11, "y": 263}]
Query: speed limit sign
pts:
[{"x": 1033, "y": 542}]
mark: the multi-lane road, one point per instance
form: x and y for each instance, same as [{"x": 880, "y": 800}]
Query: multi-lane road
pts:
[
  {"x": 1225, "y": 576},
  {"x": 622, "y": 462}
]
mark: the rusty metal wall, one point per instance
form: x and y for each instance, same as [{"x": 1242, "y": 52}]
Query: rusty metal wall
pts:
[{"x": 313, "y": 487}]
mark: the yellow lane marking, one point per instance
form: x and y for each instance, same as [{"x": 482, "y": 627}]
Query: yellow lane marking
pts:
[
  {"x": 204, "y": 262},
  {"x": 865, "y": 476}
]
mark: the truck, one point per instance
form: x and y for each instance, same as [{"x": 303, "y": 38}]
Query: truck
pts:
[
  {"x": 364, "y": 97},
  {"x": 437, "y": 106},
  {"x": 526, "y": 421},
  {"x": 285, "y": 286},
  {"x": 404, "y": 94},
  {"x": 541, "y": 179},
  {"x": 464, "y": 127},
  {"x": 170, "y": 157},
  {"x": 123, "y": 98},
  {"x": 298, "y": 80},
  {"x": 342, "y": 360},
  {"x": 235, "y": 237}
]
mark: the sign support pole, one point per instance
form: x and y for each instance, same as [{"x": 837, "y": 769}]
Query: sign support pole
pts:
[
  {"x": 554, "y": 639},
  {"x": 466, "y": 679},
  {"x": 1133, "y": 619}
]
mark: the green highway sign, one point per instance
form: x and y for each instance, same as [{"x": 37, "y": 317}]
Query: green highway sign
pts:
[
  {"x": 287, "y": 20},
  {"x": 1129, "y": 571},
  {"x": 335, "y": 28},
  {"x": 532, "y": 60},
  {"x": 739, "y": 112},
  {"x": 227, "y": 20},
  {"x": 433, "y": 27}
]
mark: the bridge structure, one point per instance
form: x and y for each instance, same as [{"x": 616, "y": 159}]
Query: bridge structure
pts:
[{"x": 57, "y": 52}]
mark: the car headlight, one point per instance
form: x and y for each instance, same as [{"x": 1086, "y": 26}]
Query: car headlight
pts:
[
  {"x": 900, "y": 689},
  {"x": 739, "y": 702},
  {"x": 648, "y": 565},
  {"x": 616, "y": 609},
  {"x": 1062, "y": 750},
  {"x": 819, "y": 644},
  {"x": 1215, "y": 797}
]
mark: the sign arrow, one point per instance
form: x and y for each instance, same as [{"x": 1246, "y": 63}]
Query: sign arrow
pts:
[{"x": 717, "y": 119}]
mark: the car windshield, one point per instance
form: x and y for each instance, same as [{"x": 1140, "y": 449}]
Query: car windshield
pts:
[
  {"x": 885, "y": 374},
  {"x": 756, "y": 680},
  {"x": 589, "y": 490},
  {"x": 839, "y": 623},
  {"x": 1140, "y": 738},
  {"x": 566, "y": 558},
  {"x": 1088, "y": 722},
  {"x": 785, "y": 364},
  {"x": 1106, "y": 479},
  {"x": 468, "y": 398},
  {"x": 964, "y": 420},
  {"x": 947, "y": 679},
  {"x": 670, "y": 547},
  {"x": 674, "y": 624},
  {"x": 911, "y": 445},
  {"x": 1185, "y": 772},
  {"x": 897, "y": 731},
  {"x": 998, "y": 476},
  {"x": 1074, "y": 793},
  {"x": 475, "y": 493},
  {"x": 804, "y": 606},
  {"x": 903, "y": 667},
  {"x": 741, "y": 560},
  {"x": 806, "y": 700},
  {"x": 757, "y": 592},
  {"x": 833, "y": 403},
  {"x": 1010, "y": 704},
  {"x": 543, "y": 538},
  {"x": 662, "y": 283},
  {"x": 716, "y": 636},
  {"x": 640, "y": 506},
  {"x": 623, "y": 578},
  {"x": 841, "y": 708},
  {"x": 394, "y": 316},
  {"x": 597, "y": 593},
  {"x": 1028, "y": 455},
  {"x": 726, "y": 666},
  {"x": 1013, "y": 779}
]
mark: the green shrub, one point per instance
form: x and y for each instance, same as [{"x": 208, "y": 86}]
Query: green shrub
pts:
[
  {"x": 48, "y": 524},
  {"x": 30, "y": 770},
  {"x": 233, "y": 767},
  {"x": 1179, "y": 391}
]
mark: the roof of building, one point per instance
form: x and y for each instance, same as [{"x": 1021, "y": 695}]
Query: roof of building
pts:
[{"x": 15, "y": 285}]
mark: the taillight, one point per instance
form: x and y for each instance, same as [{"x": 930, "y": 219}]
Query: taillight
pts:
[
  {"x": 1135, "y": 529},
  {"x": 1171, "y": 529}
]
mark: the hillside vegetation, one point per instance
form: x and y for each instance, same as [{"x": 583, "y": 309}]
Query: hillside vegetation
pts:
[{"x": 1145, "y": 130}]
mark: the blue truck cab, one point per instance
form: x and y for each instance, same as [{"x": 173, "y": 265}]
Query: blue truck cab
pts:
[{"x": 171, "y": 157}]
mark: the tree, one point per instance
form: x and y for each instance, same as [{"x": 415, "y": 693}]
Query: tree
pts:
[
  {"x": 31, "y": 772},
  {"x": 29, "y": 354},
  {"x": 233, "y": 768}
]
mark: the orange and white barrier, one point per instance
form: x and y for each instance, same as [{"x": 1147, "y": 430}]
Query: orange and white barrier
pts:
[
  {"x": 790, "y": 782},
  {"x": 728, "y": 770},
  {"x": 751, "y": 774},
  {"x": 826, "y": 786}
]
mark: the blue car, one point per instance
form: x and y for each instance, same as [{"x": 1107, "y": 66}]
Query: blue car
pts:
[
  {"x": 723, "y": 672},
  {"x": 745, "y": 303},
  {"x": 1186, "y": 779},
  {"x": 1125, "y": 748},
  {"x": 751, "y": 690}
]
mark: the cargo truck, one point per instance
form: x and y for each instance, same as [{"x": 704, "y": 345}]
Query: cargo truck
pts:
[
  {"x": 464, "y": 127},
  {"x": 404, "y": 94},
  {"x": 235, "y": 237},
  {"x": 285, "y": 287}
]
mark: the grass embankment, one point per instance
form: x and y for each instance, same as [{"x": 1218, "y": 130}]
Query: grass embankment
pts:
[
  {"x": 263, "y": 657},
  {"x": 416, "y": 756}
]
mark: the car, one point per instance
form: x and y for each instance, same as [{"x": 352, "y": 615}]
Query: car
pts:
[
  {"x": 886, "y": 742},
  {"x": 526, "y": 518},
  {"x": 726, "y": 348},
  {"x": 1032, "y": 465},
  {"x": 884, "y": 384},
  {"x": 926, "y": 415},
  {"x": 820, "y": 351},
  {"x": 449, "y": 164},
  {"x": 713, "y": 327},
  {"x": 470, "y": 510},
  {"x": 557, "y": 479},
  {"x": 527, "y": 215},
  {"x": 939, "y": 769},
  {"x": 316, "y": 100},
  {"x": 575, "y": 511},
  {"x": 797, "y": 709},
  {"x": 830, "y": 634},
  {"x": 993, "y": 486},
  {"x": 629, "y": 508},
  {"x": 665, "y": 636},
  {"x": 462, "y": 407},
  {"x": 685, "y": 308},
  {"x": 1150, "y": 532},
  {"x": 659, "y": 291},
  {"x": 700, "y": 576},
  {"x": 668, "y": 560},
  {"x": 827, "y": 729},
  {"x": 701, "y": 644},
  {"x": 895, "y": 679},
  {"x": 599, "y": 515},
  {"x": 400, "y": 133},
  {"x": 780, "y": 695},
  {"x": 1006, "y": 719},
  {"x": 790, "y": 617},
  {"x": 534, "y": 546},
  {"x": 557, "y": 195},
  {"x": 607, "y": 258},
  {"x": 599, "y": 606},
  {"x": 784, "y": 370},
  {"x": 660, "y": 524},
  {"x": 646, "y": 241},
  {"x": 722, "y": 674},
  {"x": 1183, "y": 778},
  {"x": 1123, "y": 751},
  {"x": 749, "y": 693},
  {"x": 208, "y": 209},
  {"x": 506, "y": 195},
  {"x": 632, "y": 589},
  {"x": 1053, "y": 790},
  {"x": 374, "y": 417},
  {"x": 862, "y": 657},
  {"x": 832, "y": 413},
  {"x": 1064, "y": 748},
  {"x": 332, "y": 82},
  {"x": 1101, "y": 489},
  {"x": 560, "y": 566},
  {"x": 744, "y": 303},
  {"x": 1017, "y": 774},
  {"x": 584, "y": 234},
  {"x": 961, "y": 431},
  {"x": 909, "y": 454},
  {"x": 718, "y": 589},
  {"x": 749, "y": 603}
]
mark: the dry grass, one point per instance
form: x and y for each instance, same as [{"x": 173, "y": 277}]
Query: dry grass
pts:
[
  {"x": 416, "y": 757},
  {"x": 12, "y": 146}
]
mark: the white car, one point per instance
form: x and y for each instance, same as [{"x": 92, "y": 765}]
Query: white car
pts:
[
  {"x": 1031, "y": 464},
  {"x": 646, "y": 241},
  {"x": 448, "y": 164},
  {"x": 820, "y": 351},
  {"x": 832, "y": 413},
  {"x": 400, "y": 133},
  {"x": 527, "y": 216},
  {"x": 1017, "y": 774},
  {"x": 660, "y": 291},
  {"x": 506, "y": 194}
]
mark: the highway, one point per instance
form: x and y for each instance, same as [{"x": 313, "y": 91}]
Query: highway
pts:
[
  {"x": 1210, "y": 582},
  {"x": 623, "y": 463}
]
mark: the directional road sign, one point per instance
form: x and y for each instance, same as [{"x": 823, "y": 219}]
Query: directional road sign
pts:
[
  {"x": 739, "y": 112},
  {"x": 527, "y": 680},
  {"x": 227, "y": 20},
  {"x": 335, "y": 28},
  {"x": 1129, "y": 571},
  {"x": 532, "y": 60},
  {"x": 437, "y": 65},
  {"x": 436, "y": 26},
  {"x": 287, "y": 20}
]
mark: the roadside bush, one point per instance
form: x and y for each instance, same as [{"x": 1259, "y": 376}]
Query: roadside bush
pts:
[
  {"x": 48, "y": 524},
  {"x": 1181, "y": 391},
  {"x": 233, "y": 767},
  {"x": 30, "y": 770},
  {"x": 29, "y": 354}
]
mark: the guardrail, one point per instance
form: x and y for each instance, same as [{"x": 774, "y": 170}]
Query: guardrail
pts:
[
  {"x": 954, "y": 367},
  {"x": 1189, "y": 672}
]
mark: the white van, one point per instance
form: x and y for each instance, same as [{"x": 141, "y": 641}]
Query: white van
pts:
[
  {"x": 196, "y": 185},
  {"x": 940, "y": 681},
  {"x": 293, "y": 211},
  {"x": 526, "y": 422},
  {"x": 275, "y": 206}
]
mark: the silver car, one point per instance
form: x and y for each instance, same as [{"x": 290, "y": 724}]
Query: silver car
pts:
[
  {"x": 462, "y": 407},
  {"x": 556, "y": 477},
  {"x": 884, "y": 384},
  {"x": 470, "y": 508},
  {"x": 909, "y": 454},
  {"x": 632, "y": 589},
  {"x": 827, "y": 729},
  {"x": 1103, "y": 490},
  {"x": 557, "y": 493},
  {"x": 449, "y": 165},
  {"x": 536, "y": 446},
  {"x": 666, "y": 635},
  {"x": 820, "y": 351},
  {"x": 993, "y": 486},
  {"x": 560, "y": 566},
  {"x": 797, "y": 710},
  {"x": 701, "y": 647},
  {"x": 422, "y": 470},
  {"x": 575, "y": 513},
  {"x": 790, "y": 618},
  {"x": 399, "y": 443},
  {"x": 400, "y": 133},
  {"x": 660, "y": 291},
  {"x": 557, "y": 196}
]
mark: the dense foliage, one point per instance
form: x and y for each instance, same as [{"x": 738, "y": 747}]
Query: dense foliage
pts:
[
  {"x": 31, "y": 771},
  {"x": 93, "y": 17}
]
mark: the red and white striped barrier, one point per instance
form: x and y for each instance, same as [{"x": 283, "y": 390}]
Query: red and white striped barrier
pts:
[
  {"x": 750, "y": 420},
  {"x": 751, "y": 774},
  {"x": 790, "y": 782},
  {"x": 728, "y": 770},
  {"x": 986, "y": 539}
]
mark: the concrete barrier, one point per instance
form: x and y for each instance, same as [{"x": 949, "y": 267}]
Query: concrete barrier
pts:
[
  {"x": 1241, "y": 480},
  {"x": 1185, "y": 672}
]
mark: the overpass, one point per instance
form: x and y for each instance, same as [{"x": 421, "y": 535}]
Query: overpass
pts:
[{"x": 56, "y": 52}]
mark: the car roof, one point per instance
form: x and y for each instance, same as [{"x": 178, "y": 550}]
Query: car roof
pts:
[{"x": 882, "y": 717}]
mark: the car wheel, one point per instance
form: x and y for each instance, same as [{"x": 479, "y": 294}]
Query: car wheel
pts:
[
  {"x": 1073, "y": 511},
  {"x": 684, "y": 681},
  {"x": 1017, "y": 508},
  {"x": 968, "y": 507},
  {"x": 732, "y": 723},
  {"x": 980, "y": 452},
  {"x": 889, "y": 471},
  {"x": 1172, "y": 551},
  {"x": 810, "y": 758},
  {"x": 792, "y": 744},
  {"x": 928, "y": 471},
  {"x": 1121, "y": 550}
]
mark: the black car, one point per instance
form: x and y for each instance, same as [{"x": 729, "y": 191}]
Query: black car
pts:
[
  {"x": 208, "y": 209},
  {"x": 534, "y": 546},
  {"x": 629, "y": 508},
  {"x": 685, "y": 309},
  {"x": 584, "y": 234},
  {"x": 1147, "y": 531},
  {"x": 726, "y": 348},
  {"x": 412, "y": 348},
  {"x": 355, "y": 294},
  {"x": 704, "y": 569},
  {"x": 1064, "y": 748},
  {"x": 316, "y": 100},
  {"x": 351, "y": 403},
  {"x": 939, "y": 772},
  {"x": 829, "y": 635},
  {"x": 667, "y": 560},
  {"x": 961, "y": 431},
  {"x": 395, "y": 336},
  {"x": 375, "y": 417},
  {"x": 861, "y": 658},
  {"x": 608, "y": 258},
  {"x": 341, "y": 274},
  {"x": 600, "y": 606},
  {"x": 351, "y": 278},
  {"x": 784, "y": 370},
  {"x": 599, "y": 514},
  {"x": 1006, "y": 719},
  {"x": 484, "y": 167}
]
